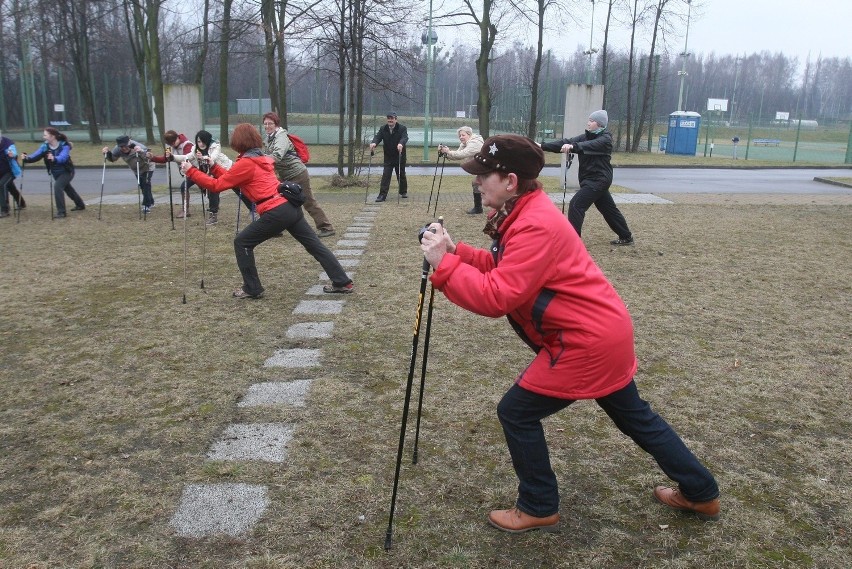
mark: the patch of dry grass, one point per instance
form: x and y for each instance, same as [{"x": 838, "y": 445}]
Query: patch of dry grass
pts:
[{"x": 114, "y": 390}]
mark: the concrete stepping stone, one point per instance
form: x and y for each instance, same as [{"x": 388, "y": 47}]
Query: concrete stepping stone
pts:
[
  {"x": 276, "y": 393},
  {"x": 266, "y": 442},
  {"x": 219, "y": 509},
  {"x": 348, "y": 252},
  {"x": 294, "y": 358},
  {"x": 356, "y": 235},
  {"x": 310, "y": 330},
  {"x": 319, "y": 307},
  {"x": 352, "y": 243}
]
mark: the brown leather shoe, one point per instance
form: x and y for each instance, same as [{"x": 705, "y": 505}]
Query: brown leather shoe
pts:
[
  {"x": 672, "y": 498},
  {"x": 516, "y": 521}
]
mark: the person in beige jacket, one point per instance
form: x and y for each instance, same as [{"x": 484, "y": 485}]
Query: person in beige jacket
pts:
[{"x": 469, "y": 145}]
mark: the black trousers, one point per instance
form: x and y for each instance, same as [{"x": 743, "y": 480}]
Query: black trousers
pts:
[
  {"x": 602, "y": 199},
  {"x": 390, "y": 167},
  {"x": 288, "y": 218},
  {"x": 7, "y": 186}
]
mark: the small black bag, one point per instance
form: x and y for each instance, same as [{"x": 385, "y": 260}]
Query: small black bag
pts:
[{"x": 292, "y": 192}]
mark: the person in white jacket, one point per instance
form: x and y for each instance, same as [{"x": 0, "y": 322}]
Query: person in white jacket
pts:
[{"x": 470, "y": 144}]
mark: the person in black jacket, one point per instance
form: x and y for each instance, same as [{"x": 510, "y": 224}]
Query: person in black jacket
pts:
[
  {"x": 593, "y": 149},
  {"x": 394, "y": 136}
]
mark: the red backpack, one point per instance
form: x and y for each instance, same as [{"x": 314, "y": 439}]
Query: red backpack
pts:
[{"x": 300, "y": 147}]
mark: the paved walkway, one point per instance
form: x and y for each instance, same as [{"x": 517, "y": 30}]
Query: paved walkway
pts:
[{"x": 234, "y": 508}]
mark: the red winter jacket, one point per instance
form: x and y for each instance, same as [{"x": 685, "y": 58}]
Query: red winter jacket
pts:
[
  {"x": 556, "y": 297},
  {"x": 252, "y": 173}
]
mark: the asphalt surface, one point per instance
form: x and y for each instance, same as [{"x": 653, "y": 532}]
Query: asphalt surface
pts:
[{"x": 118, "y": 180}]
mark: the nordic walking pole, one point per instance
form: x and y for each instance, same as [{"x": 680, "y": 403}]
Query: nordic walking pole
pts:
[
  {"x": 171, "y": 199},
  {"x": 185, "y": 205},
  {"x": 369, "y": 167},
  {"x": 139, "y": 188},
  {"x": 440, "y": 179},
  {"x": 239, "y": 207},
  {"x": 204, "y": 239},
  {"x": 20, "y": 194},
  {"x": 103, "y": 178},
  {"x": 424, "y": 274},
  {"x": 434, "y": 176},
  {"x": 425, "y": 360},
  {"x": 570, "y": 159},
  {"x": 398, "y": 182},
  {"x": 49, "y": 177}
]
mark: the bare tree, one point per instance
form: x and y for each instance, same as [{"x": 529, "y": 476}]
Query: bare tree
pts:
[
  {"x": 484, "y": 19},
  {"x": 142, "y": 18},
  {"x": 659, "y": 10}
]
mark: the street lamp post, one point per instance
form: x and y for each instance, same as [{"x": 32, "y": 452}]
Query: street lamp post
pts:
[
  {"x": 734, "y": 92},
  {"x": 591, "y": 50},
  {"x": 682, "y": 73},
  {"x": 430, "y": 37}
]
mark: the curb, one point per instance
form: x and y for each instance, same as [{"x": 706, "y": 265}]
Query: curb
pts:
[{"x": 832, "y": 182}]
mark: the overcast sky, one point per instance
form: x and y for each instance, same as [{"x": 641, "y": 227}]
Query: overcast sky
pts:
[{"x": 792, "y": 27}]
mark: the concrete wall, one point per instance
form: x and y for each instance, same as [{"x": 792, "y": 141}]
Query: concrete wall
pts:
[
  {"x": 183, "y": 113},
  {"x": 580, "y": 101}
]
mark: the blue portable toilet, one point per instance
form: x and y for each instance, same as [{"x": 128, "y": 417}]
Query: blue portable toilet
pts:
[{"x": 684, "y": 127}]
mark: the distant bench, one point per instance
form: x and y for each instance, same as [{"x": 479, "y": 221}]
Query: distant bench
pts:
[
  {"x": 60, "y": 123},
  {"x": 766, "y": 142}
]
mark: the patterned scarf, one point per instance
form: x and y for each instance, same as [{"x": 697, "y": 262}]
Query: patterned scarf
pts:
[{"x": 496, "y": 218}]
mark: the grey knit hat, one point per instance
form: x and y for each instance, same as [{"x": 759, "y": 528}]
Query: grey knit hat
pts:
[{"x": 599, "y": 117}]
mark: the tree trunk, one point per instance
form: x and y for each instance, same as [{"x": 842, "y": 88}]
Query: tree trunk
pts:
[{"x": 532, "y": 126}]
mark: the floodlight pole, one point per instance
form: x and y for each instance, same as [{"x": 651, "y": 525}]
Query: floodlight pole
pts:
[
  {"x": 734, "y": 92},
  {"x": 591, "y": 49},
  {"x": 684, "y": 55}
]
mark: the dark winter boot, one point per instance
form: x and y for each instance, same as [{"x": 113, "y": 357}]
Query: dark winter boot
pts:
[{"x": 477, "y": 204}]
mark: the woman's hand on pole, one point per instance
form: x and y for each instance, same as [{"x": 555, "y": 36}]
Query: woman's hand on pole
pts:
[
  {"x": 185, "y": 166},
  {"x": 436, "y": 243}
]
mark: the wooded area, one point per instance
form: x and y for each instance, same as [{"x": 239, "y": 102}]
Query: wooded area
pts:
[{"x": 351, "y": 58}]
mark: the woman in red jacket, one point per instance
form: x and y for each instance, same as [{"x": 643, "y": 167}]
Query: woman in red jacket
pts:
[
  {"x": 254, "y": 174},
  {"x": 539, "y": 275}
]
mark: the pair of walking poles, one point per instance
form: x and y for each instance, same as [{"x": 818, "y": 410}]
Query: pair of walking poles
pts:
[
  {"x": 16, "y": 202},
  {"x": 398, "y": 169},
  {"x": 143, "y": 213},
  {"x": 424, "y": 275},
  {"x": 438, "y": 195}
]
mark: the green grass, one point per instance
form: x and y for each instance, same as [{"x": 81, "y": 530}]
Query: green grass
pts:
[{"x": 114, "y": 390}]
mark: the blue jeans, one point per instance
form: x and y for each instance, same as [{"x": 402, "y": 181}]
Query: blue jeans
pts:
[
  {"x": 521, "y": 411},
  {"x": 288, "y": 218}
]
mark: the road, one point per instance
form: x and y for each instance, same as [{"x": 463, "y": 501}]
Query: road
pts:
[{"x": 119, "y": 180}]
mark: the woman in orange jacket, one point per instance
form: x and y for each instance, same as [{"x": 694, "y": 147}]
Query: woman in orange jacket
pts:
[{"x": 253, "y": 172}]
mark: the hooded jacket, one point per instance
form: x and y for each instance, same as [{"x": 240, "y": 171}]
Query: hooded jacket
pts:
[
  {"x": 61, "y": 158},
  {"x": 593, "y": 151},
  {"x": 252, "y": 172},
  {"x": 539, "y": 274}
]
